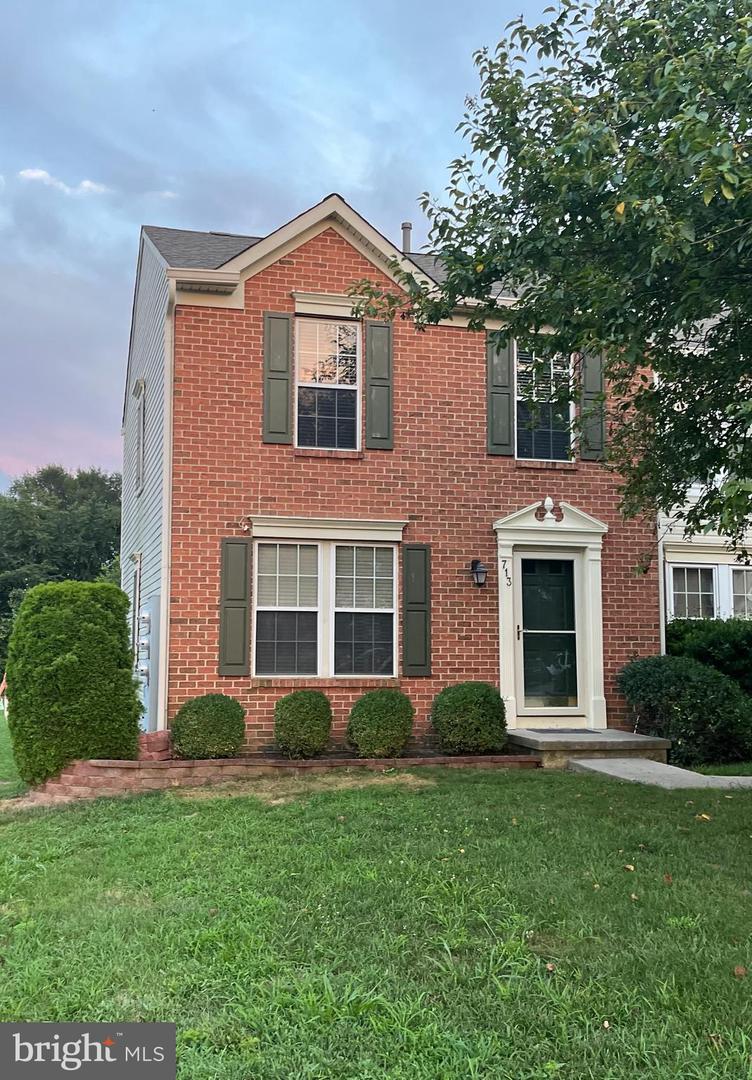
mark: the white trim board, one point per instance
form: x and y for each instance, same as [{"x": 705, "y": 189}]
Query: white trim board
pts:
[{"x": 303, "y": 528}]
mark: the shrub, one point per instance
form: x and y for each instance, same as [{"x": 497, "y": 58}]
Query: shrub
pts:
[
  {"x": 469, "y": 719},
  {"x": 210, "y": 726},
  {"x": 380, "y": 723},
  {"x": 725, "y": 644},
  {"x": 70, "y": 678},
  {"x": 704, "y": 713},
  {"x": 302, "y": 723}
]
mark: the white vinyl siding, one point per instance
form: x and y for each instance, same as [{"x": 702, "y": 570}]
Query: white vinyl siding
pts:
[{"x": 143, "y": 450}]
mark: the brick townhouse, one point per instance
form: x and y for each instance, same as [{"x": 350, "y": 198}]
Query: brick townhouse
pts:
[{"x": 313, "y": 500}]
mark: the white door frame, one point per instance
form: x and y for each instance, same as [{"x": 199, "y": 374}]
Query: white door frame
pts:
[
  {"x": 576, "y": 712},
  {"x": 554, "y": 533}
]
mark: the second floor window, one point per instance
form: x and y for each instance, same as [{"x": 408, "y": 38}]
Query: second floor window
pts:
[
  {"x": 543, "y": 426},
  {"x": 327, "y": 365}
]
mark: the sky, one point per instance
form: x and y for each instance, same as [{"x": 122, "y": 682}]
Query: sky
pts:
[{"x": 199, "y": 115}]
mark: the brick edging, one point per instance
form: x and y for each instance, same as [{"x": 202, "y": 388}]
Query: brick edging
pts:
[{"x": 93, "y": 778}]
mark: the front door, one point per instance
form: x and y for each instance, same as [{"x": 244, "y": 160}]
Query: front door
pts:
[{"x": 546, "y": 633}]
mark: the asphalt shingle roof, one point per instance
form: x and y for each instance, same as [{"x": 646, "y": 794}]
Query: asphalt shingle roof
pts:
[{"x": 197, "y": 250}]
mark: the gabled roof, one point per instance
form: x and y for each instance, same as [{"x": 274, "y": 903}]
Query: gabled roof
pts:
[
  {"x": 198, "y": 250},
  {"x": 194, "y": 250}
]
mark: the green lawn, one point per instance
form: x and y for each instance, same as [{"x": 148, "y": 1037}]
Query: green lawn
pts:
[
  {"x": 10, "y": 784},
  {"x": 402, "y": 929}
]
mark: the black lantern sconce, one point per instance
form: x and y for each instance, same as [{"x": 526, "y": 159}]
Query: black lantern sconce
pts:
[{"x": 479, "y": 571}]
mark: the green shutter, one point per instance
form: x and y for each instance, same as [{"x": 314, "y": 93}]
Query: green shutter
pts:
[
  {"x": 416, "y": 622},
  {"x": 500, "y": 395},
  {"x": 277, "y": 378},
  {"x": 593, "y": 434},
  {"x": 235, "y": 607},
  {"x": 379, "y": 430}
]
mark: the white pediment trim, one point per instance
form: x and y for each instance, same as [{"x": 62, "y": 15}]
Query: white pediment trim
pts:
[{"x": 570, "y": 527}]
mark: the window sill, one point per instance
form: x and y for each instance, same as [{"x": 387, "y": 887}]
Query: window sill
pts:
[
  {"x": 339, "y": 455},
  {"x": 305, "y": 682},
  {"x": 537, "y": 463}
]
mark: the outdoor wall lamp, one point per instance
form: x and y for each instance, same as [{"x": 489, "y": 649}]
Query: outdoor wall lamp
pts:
[{"x": 479, "y": 571}]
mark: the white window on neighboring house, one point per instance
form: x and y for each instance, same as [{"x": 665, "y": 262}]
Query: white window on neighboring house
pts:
[
  {"x": 325, "y": 609},
  {"x": 741, "y": 589},
  {"x": 139, "y": 392},
  {"x": 327, "y": 384},
  {"x": 693, "y": 592},
  {"x": 543, "y": 426}
]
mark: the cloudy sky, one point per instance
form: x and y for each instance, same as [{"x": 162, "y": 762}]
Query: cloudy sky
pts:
[{"x": 207, "y": 115}]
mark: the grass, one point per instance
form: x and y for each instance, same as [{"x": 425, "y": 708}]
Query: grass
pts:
[
  {"x": 738, "y": 768},
  {"x": 459, "y": 924}
]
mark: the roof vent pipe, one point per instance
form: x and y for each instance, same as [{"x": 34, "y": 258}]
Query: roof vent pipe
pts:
[{"x": 407, "y": 228}]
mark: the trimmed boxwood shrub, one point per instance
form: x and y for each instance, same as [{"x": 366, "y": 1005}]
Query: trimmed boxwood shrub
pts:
[
  {"x": 302, "y": 723},
  {"x": 380, "y": 723},
  {"x": 71, "y": 688},
  {"x": 725, "y": 644},
  {"x": 705, "y": 713},
  {"x": 210, "y": 726},
  {"x": 469, "y": 718}
]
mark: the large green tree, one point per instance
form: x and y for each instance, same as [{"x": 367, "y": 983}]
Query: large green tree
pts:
[
  {"x": 609, "y": 188},
  {"x": 54, "y": 526}
]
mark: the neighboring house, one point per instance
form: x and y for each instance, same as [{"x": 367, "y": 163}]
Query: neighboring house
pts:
[
  {"x": 307, "y": 496},
  {"x": 703, "y": 579}
]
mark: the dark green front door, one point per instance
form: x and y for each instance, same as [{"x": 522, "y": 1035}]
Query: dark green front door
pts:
[{"x": 547, "y": 633}]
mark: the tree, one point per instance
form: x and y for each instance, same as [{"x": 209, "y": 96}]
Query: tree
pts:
[
  {"x": 54, "y": 526},
  {"x": 609, "y": 189}
]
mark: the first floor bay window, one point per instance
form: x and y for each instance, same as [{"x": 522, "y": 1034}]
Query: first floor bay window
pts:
[{"x": 325, "y": 608}]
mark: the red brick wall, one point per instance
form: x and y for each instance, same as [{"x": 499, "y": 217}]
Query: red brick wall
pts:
[{"x": 439, "y": 478}]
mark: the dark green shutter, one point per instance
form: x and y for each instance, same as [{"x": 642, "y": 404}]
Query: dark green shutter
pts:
[
  {"x": 416, "y": 622},
  {"x": 235, "y": 607},
  {"x": 379, "y": 429},
  {"x": 277, "y": 378},
  {"x": 593, "y": 433},
  {"x": 500, "y": 395}
]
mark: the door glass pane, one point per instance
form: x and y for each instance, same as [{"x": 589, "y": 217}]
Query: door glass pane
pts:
[{"x": 549, "y": 640}]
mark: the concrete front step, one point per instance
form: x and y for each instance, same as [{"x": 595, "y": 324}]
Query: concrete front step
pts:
[
  {"x": 638, "y": 771},
  {"x": 557, "y": 747}
]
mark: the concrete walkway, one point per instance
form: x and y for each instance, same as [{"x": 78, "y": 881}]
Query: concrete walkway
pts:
[{"x": 643, "y": 771}]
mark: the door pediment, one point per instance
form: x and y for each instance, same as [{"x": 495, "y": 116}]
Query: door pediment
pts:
[{"x": 547, "y": 524}]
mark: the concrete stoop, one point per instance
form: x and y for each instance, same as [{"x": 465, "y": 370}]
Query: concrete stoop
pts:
[{"x": 557, "y": 747}]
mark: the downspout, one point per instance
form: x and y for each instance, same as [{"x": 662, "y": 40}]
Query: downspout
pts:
[
  {"x": 166, "y": 560},
  {"x": 661, "y": 589}
]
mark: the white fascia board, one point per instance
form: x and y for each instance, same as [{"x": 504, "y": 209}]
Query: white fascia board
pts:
[{"x": 301, "y": 528}]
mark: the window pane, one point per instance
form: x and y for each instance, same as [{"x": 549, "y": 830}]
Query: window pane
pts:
[
  {"x": 706, "y": 581},
  {"x": 308, "y": 592},
  {"x": 267, "y": 591},
  {"x": 364, "y": 592},
  {"x": 363, "y": 644},
  {"x": 707, "y": 605},
  {"x": 692, "y": 575},
  {"x": 287, "y": 592},
  {"x": 308, "y": 558},
  {"x": 327, "y": 418},
  {"x": 693, "y": 605},
  {"x": 384, "y": 593},
  {"x": 384, "y": 562},
  {"x": 267, "y": 558},
  {"x": 344, "y": 593},
  {"x": 364, "y": 560},
  {"x": 286, "y": 643},
  {"x": 542, "y": 427}
]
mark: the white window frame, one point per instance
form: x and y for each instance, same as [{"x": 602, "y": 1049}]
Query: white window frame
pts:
[
  {"x": 670, "y": 567},
  {"x": 326, "y": 608},
  {"x": 139, "y": 392},
  {"x": 333, "y": 609},
  {"x": 734, "y": 570},
  {"x": 518, "y": 398},
  {"x": 358, "y": 388},
  {"x": 265, "y": 607}
]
